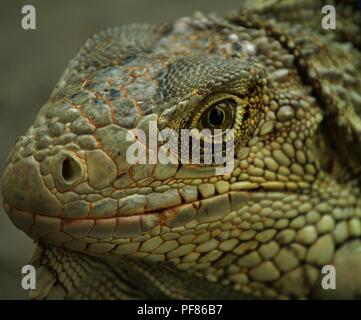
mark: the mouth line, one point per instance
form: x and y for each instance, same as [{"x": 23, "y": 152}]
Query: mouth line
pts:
[
  {"x": 196, "y": 203},
  {"x": 162, "y": 211},
  {"x": 61, "y": 230},
  {"x": 8, "y": 207},
  {"x": 58, "y": 230}
]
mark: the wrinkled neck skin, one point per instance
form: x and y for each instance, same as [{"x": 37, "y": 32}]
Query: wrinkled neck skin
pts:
[
  {"x": 97, "y": 277},
  {"x": 107, "y": 228}
]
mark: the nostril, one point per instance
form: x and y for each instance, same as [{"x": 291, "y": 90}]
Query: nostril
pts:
[
  {"x": 67, "y": 170},
  {"x": 70, "y": 170}
]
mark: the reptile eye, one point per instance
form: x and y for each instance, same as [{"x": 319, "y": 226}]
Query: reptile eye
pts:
[
  {"x": 219, "y": 115},
  {"x": 216, "y": 117}
]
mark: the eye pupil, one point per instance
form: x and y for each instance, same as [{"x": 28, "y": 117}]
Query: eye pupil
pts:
[
  {"x": 216, "y": 117},
  {"x": 219, "y": 115}
]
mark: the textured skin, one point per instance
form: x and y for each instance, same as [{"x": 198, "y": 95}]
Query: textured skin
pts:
[{"x": 107, "y": 229}]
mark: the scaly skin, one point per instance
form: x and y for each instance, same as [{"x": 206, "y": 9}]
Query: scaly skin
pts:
[{"x": 108, "y": 229}]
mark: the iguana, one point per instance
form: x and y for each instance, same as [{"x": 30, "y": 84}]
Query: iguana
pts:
[{"x": 290, "y": 90}]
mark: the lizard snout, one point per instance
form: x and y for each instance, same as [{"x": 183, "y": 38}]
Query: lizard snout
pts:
[
  {"x": 26, "y": 195},
  {"x": 24, "y": 189}
]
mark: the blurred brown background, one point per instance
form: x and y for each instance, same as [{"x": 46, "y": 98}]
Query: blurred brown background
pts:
[{"x": 31, "y": 62}]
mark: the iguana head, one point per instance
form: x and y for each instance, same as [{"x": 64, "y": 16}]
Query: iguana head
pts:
[{"x": 267, "y": 227}]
